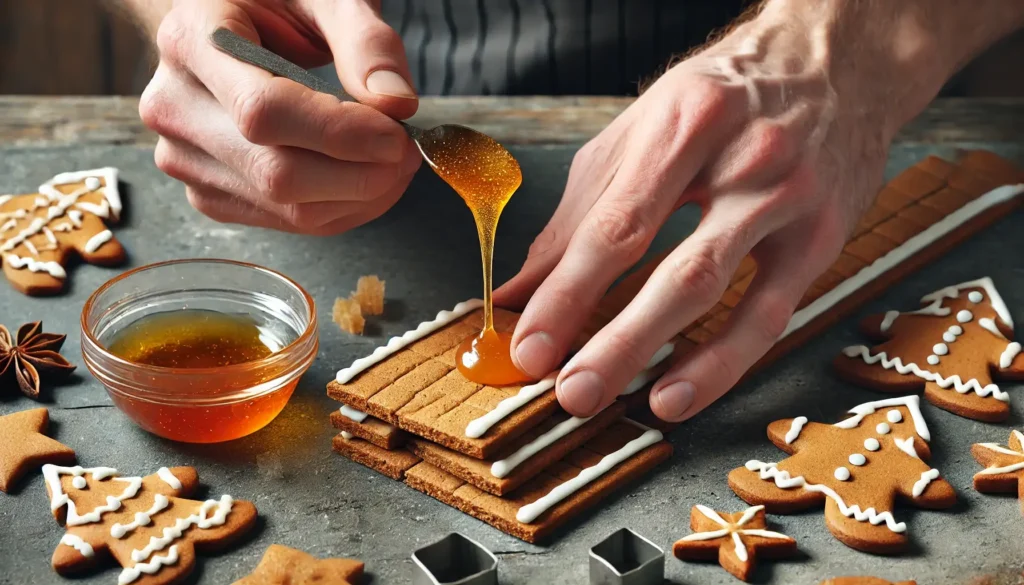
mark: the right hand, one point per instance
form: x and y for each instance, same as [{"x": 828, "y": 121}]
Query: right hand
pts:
[{"x": 261, "y": 150}]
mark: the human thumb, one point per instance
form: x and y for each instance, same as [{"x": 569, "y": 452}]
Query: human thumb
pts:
[{"x": 369, "y": 57}]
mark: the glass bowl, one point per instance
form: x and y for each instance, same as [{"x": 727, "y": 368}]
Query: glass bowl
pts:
[{"x": 202, "y": 405}]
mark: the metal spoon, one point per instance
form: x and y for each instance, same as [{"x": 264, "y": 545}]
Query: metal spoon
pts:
[{"x": 435, "y": 144}]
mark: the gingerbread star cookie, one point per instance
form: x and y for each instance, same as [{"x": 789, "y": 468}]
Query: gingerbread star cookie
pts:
[
  {"x": 40, "y": 231},
  {"x": 736, "y": 540},
  {"x": 287, "y": 566},
  {"x": 24, "y": 446},
  {"x": 1004, "y": 466},
  {"x": 863, "y": 581},
  {"x": 144, "y": 523},
  {"x": 856, "y": 468},
  {"x": 953, "y": 347}
]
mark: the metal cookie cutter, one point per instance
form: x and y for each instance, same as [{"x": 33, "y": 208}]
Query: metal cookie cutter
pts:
[
  {"x": 454, "y": 560},
  {"x": 626, "y": 558}
]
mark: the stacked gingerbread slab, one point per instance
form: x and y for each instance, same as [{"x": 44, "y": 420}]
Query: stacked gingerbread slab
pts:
[{"x": 512, "y": 458}]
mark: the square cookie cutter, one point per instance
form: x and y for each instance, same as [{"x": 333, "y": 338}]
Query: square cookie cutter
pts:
[
  {"x": 626, "y": 558},
  {"x": 454, "y": 560}
]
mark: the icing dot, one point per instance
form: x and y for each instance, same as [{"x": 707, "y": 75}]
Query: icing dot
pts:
[
  {"x": 842, "y": 474},
  {"x": 872, "y": 444},
  {"x": 894, "y": 416},
  {"x": 858, "y": 459},
  {"x": 975, "y": 296},
  {"x": 79, "y": 483},
  {"x": 956, "y": 330},
  {"x": 92, "y": 183},
  {"x": 948, "y": 337},
  {"x": 933, "y": 360},
  {"x": 964, "y": 316},
  {"x": 882, "y": 428},
  {"x": 940, "y": 349}
]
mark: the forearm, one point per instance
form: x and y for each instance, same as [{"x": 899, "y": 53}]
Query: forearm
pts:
[{"x": 146, "y": 13}]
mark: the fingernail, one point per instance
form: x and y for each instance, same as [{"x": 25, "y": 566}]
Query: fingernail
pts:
[
  {"x": 675, "y": 399},
  {"x": 581, "y": 393},
  {"x": 389, "y": 83},
  {"x": 389, "y": 147},
  {"x": 536, "y": 354}
]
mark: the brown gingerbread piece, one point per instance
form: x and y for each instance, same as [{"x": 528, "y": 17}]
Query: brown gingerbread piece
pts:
[
  {"x": 856, "y": 468},
  {"x": 1004, "y": 466},
  {"x": 144, "y": 523},
  {"x": 863, "y": 581},
  {"x": 953, "y": 347},
  {"x": 25, "y": 446},
  {"x": 735, "y": 540},
  {"x": 282, "y": 565},
  {"x": 40, "y": 231}
]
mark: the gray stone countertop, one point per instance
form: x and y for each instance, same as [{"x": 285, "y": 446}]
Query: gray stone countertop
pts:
[{"x": 426, "y": 250}]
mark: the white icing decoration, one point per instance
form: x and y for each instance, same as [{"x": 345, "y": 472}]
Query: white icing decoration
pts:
[
  {"x": 894, "y": 416},
  {"x": 907, "y": 446},
  {"x": 75, "y": 217},
  {"x": 1008, "y": 355},
  {"x": 1005, "y": 451},
  {"x": 975, "y": 296},
  {"x": 940, "y": 349},
  {"x": 98, "y": 240},
  {"x": 948, "y": 337},
  {"x": 741, "y": 550},
  {"x": 160, "y": 502},
  {"x": 933, "y": 360},
  {"x": 503, "y": 467},
  {"x": 882, "y": 428},
  {"x": 872, "y": 444},
  {"x": 710, "y": 535},
  {"x": 964, "y": 316},
  {"x": 990, "y": 326},
  {"x": 396, "y": 344},
  {"x": 959, "y": 385},
  {"x": 734, "y": 531},
  {"x": 783, "y": 480},
  {"x": 912, "y": 403},
  {"x": 956, "y": 330},
  {"x": 646, "y": 375},
  {"x": 887, "y": 321},
  {"x": 528, "y": 513},
  {"x": 79, "y": 483},
  {"x": 169, "y": 478},
  {"x": 353, "y": 414},
  {"x": 201, "y": 519},
  {"x": 30, "y": 247},
  {"x": 52, "y": 268},
  {"x": 132, "y": 573},
  {"x": 477, "y": 427},
  {"x": 895, "y": 257},
  {"x": 52, "y": 473},
  {"x": 795, "y": 428},
  {"x": 926, "y": 478},
  {"x": 842, "y": 474},
  {"x": 76, "y": 542},
  {"x": 62, "y": 227},
  {"x": 347, "y": 435},
  {"x": 857, "y": 459},
  {"x": 49, "y": 236}
]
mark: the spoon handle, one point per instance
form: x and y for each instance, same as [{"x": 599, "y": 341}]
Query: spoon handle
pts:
[{"x": 249, "y": 52}]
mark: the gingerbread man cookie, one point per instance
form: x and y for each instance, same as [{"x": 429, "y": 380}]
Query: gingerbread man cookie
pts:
[
  {"x": 144, "y": 523},
  {"x": 736, "y": 540},
  {"x": 282, "y": 565},
  {"x": 40, "y": 231},
  {"x": 952, "y": 347},
  {"x": 856, "y": 468},
  {"x": 1004, "y": 467}
]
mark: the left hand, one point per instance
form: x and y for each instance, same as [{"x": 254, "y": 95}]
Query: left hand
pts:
[{"x": 750, "y": 130}]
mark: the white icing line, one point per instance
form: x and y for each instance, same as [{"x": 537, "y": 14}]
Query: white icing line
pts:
[
  {"x": 955, "y": 381},
  {"x": 990, "y": 326},
  {"x": 706, "y": 535},
  {"x": 913, "y": 404},
  {"x": 896, "y": 256},
  {"x": 1001, "y": 449},
  {"x": 503, "y": 467},
  {"x": 52, "y": 473},
  {"x": 528, "y": 513},
  {"x": 646, "y": 375},
  {"x": 201, "y": 519},
  {"x": 169, "y": 478},
  {"x": 353, "y": 414},
  {"x": 764, "y": 533},
  {"x": 712, "y": 515},
  {"x": 98, "y": 240},
  {"x": 741, "y": 551},
  {"x": 396, "y": 344},
  {"x": 1011, "y": 351},
  {"x": 477, "y": 427},
  {"x": 887, "y": 321},
  {"x": 926, "y": 478},
  {"x": 795, "y": 428},
  {"x": 152, "y": 567},
  {"x": 52, "y": 268},
  {"x": 160, "y": 502},
  {"x": 76, "y": 542},
  {"x": 1007, "y": 469},
  {"x": 748, "y": 514},
  {"x": 347, "y": 435},
  {"x": 907, "y": 446}
]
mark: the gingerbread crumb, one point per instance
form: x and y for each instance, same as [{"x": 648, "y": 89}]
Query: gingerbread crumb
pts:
[
  {"x": 370, "y": 295},
  {"x": 348, "y": 315}
]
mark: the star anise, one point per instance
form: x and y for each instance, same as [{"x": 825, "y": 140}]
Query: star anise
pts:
[{"x": 31, "y": 357}]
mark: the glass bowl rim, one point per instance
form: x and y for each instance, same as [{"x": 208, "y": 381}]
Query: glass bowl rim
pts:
[{"x": 272, "y": 359}]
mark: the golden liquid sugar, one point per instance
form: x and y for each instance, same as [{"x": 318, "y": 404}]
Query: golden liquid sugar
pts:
[{"x": 486, "y": 176}]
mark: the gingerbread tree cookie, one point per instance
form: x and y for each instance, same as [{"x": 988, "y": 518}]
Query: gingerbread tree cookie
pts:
[
  {"x": 952, "y": 347},
  {"x": 282, "y": 565},
  {"x": 856, "y": 467},
  {"x": 40, "y": 231},
  {"x": 736, "y": 540},
  {"x": 1004, "y": 467},
  {"x": 144, "y": 523}
]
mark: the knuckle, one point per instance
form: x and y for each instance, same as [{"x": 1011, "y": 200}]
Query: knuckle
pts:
[
  {"x": 171, "y": 36},
  {"x": 626, "y": 352},
  {"x": 251, "y": 109},
  {"x": 272, "y": 174},
  {"x": 622, "y": 232},
  {"x": 155, "y": 110},
  {"x": 700, "y": 277},
  {"x": 169, "y": 161}
]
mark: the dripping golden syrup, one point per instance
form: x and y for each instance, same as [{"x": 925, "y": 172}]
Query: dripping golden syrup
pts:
[{"x": 486, "y": 176}]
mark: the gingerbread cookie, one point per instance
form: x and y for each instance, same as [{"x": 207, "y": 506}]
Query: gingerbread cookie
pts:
[
  {"x": 1004, "y": 467},
  {"x": 856, "y": 467},
  {"x": 40, "y": 231},
  {"x": 736, "y": 540},
  {"x": 287, "y": 566},
  {"x": 144, "y": 523},
  {"x": 863, "y": 581},
  {"x": 25, "y": 447},
  {"x": 952, "y": 347}
]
